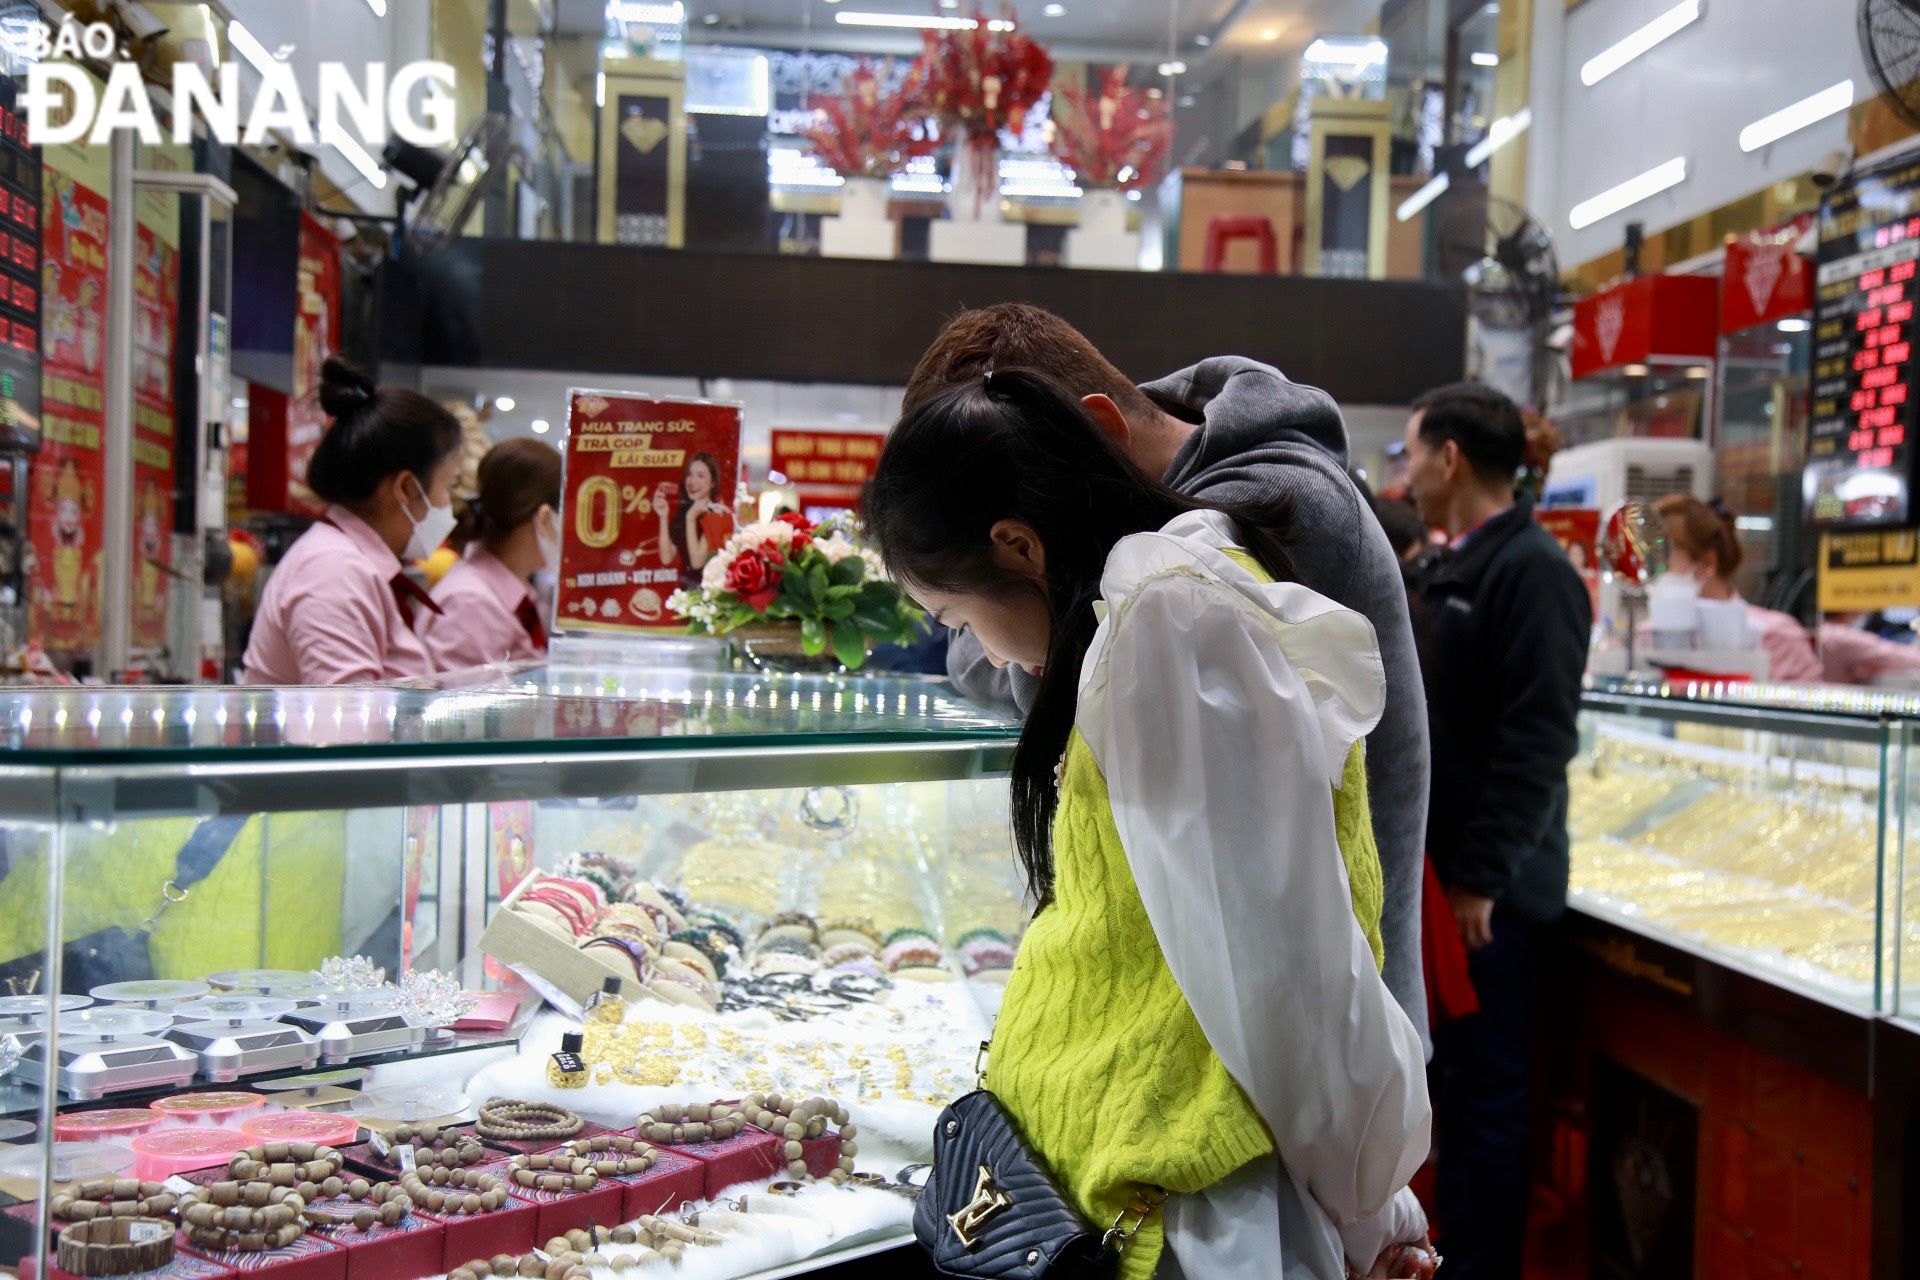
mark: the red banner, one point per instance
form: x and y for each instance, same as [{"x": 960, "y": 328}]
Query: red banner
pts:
[
  {"x": 65, "y": 491},
  {"x": 1666, "y": 318},
  {"x": 156, "y": 286},
  {"x": 1764, "y": 279},
  {"x": 648, "y": 500},
  {"x": 828, "y": 467},
  {"x": 280, "y": 445},
  {"x": 1577, "y": 530}
]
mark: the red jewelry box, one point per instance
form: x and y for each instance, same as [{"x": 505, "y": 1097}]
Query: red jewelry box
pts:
[
  {"x": 512, "y": 1228},
  {"x": 412, "y": 1246},
  {"x": 308, "y": 1258},
  {"x": 562, "y": 1211},
  {"x": 822, "y": 1154},
  {"x": 361, "y": 1155},
  {"x": 669, "y": 1182},
  {"x": 183, "y": 1267},
  {"x": 748, "y": 1156}
]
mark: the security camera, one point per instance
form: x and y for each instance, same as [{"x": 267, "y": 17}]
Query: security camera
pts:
[
  {"x": 141, "y": 22},
  {"x": 1832, "y": 167}
]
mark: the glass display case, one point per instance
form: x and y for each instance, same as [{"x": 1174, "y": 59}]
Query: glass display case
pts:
[
  {"x": 1763, "y": 830},
  {"x": 445, "y": 930}
]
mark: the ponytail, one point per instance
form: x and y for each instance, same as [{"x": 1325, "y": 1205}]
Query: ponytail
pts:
[{"x": 515, "y": 479}]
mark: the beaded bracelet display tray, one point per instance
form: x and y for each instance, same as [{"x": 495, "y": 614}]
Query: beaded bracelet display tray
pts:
[{"x": 307, "y": 1246}]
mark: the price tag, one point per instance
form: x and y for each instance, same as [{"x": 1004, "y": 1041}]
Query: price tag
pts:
[
  {"x": 381, "y": 1147},
  {"x": 180, "y": 1186},
  {"x": 143, "y": 1231},
  {"x": 406, "y": 1159}
]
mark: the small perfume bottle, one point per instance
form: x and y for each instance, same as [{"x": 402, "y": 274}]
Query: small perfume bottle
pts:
[
  {"x": 567, "y": 1069},
  {"x": 606, "y": 1007}
]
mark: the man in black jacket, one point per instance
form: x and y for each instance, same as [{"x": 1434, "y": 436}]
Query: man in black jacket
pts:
[{"x": 1505, "y": 622}]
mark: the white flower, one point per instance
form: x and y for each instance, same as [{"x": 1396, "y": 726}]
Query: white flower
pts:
[
  {"x": 836, "y": 548},
  {"x": 876, "y": 567},
  {"x": 714, "y": 576}
]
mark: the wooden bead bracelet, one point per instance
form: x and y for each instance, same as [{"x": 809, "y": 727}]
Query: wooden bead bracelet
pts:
[
  {"x": 672, "y": 1125},
  {"x": 635, "y": 1157},
  {"x": 797, "y": 1121},
  {"x": 381, "y": 1203},
  {"x": 247, "y": 1216},
  {"x": 552, "y": 1173},
  {"x": 433, "y": 1148},
  {"x": 113, "y": 1198},
  {"x": 454, "y": 1191},
  {"x": 575, "y": 1255},
  {"x": 115, "y": 1247},
  {"x": 518, "y": 1121},
  {"x": 285, "y": 1164}
]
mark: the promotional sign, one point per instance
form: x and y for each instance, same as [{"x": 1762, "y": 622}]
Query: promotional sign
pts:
[
  {"x": 279, "y": 446},
  {"x": 1577, "y": 530},
  {"x": 647, "y": 500},
  {"x": 20, "y": 180},
  {"x": 828, "y": 467},
  {"x": 643, "y": 145},
  {"x": 1764, "y": 279},
  {"x": 1860, "y": 457},
  {"x": 156, "y": 287},
  {"x": 64, "y": 515},
  {"x": 1667, "y": 318},
  {"x": 1861, "y": 572}
]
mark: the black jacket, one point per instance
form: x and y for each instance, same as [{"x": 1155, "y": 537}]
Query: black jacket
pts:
[{"x": 1505, "y": 623}]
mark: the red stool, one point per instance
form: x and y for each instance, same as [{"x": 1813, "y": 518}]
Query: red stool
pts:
[{"x": 1223, "y": 229}]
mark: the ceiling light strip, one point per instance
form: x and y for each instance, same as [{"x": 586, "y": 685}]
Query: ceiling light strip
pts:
[
  {"x": 1499, "y": 134},
  {"x": 1413, "y": 204},
  {"x": 1809, "y": 110},
  {"x": 1670, "y": 23},
  {"x": 1629, "y": 193}
]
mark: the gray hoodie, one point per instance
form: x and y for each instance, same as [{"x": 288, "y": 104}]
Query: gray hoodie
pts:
[{"x": 1263, "y": 439}]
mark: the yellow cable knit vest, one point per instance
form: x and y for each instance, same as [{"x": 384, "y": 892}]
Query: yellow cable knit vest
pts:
[{"x": 1098, "y": 1056}]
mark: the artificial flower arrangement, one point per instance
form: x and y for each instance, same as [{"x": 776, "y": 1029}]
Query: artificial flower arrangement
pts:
[
  {"x": 790, "y": 571},
  {"x": 981, "y": 79},
  {"x": 1115, "y": 137},
  {"x": 870, "y": 131}
]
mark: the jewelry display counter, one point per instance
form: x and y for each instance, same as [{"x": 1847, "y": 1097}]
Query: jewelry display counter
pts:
[{"x": 540, "y": 970}]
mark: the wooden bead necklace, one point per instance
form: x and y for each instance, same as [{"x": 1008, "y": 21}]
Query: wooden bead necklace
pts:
[
  {"x": 380, "y": 1203},
  {"x": 635, "y": 1157},
  {"x": 672, "y": 1125},
  {"x": 519, "y": 1121},
  {"x": 552, "y": 1173},
  {"x": 454, "y": 1191},
  {"x": 113, "y": 1198},
  {"x": 576, "y": 1255},
  {"x": 285, "y": 1164}
]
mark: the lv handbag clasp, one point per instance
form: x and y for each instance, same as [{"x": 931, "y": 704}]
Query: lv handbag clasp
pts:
[{"x": 988, "y": 1201}]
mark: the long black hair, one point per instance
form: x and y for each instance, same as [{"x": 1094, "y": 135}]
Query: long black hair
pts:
[{"x": 1016, "y": 445}]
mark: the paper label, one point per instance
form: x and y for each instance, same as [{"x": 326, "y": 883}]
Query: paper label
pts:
[
  {"x": 140, "y": 1231},
  {"x": 179, "y": 1186},
  {"x": 406, "y": 1159},
  {"x": 381, "y": 1147}
]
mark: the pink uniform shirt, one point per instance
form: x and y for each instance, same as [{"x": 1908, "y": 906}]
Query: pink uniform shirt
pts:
[
  {"x": 1789, "y": 648},
  {"x": 332, "y": 612},
  {"x": 484, "y": 611},
  {"x": 1853, "y": 656}
]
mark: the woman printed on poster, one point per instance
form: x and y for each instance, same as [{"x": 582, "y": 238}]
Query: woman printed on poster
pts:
[{"x": 699, "y": 525}]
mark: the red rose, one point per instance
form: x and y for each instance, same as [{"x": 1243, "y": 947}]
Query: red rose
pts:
[
  {"x": 752, "y": 579},
  {"x": 797, "y": 520}
]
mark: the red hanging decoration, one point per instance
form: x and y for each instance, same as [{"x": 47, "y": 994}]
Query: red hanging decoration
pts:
[
  {"x": 869, "y": 131},
  {"x": 981, "y": 79},
  {"x": 1117, "y": 131}
]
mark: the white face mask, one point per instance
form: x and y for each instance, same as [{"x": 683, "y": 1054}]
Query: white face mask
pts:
[
  {"x": 430, "y": 530},
  {"x": 549, "y": 552}
]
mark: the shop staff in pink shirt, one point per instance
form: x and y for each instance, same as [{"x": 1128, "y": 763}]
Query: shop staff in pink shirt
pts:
[
  {"x": 512, "y": 529},
  {"x": 1701, "y": 543},
  {"x": 339, "y": 607}
]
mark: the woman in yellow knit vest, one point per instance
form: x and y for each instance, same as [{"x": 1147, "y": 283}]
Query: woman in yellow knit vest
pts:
[{"x": 1197, "y": 1007}]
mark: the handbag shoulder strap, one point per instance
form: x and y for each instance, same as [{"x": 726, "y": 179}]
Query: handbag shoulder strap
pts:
[{"x": 198, "y": 857}]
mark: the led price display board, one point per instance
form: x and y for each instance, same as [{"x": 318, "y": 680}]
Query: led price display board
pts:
[
  {"x": 1860, "y": 453},
  {"x": 19, "y": 275}
]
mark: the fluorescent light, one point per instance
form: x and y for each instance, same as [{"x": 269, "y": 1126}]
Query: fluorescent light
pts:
[
  {"x": 1608, "y": 61},
  {"x": 1791, "y": 119},
  {"x": 349, "y": 146},
  {"x": 1173, "y": 68},
  {"x": 504, "y": 403},
  {"x": 1499, "y": 134},
  {"x": 599, "y": 88},
  {"x": 379, "y": 7},
  {"x": 250, "y": 47},
  {"x": 1054, "y": 11},
  {"x": 1635, "y": 370},
  {"x": 1367, "y": 53},
  {"x": 1480, "y": 59},
  {"x": 541, "y": 426},
  {"x": 906, "y": 20},
  {"x": 1794, "y": 324},
  {"x": 1269, "y": 34},
  {"x": 659, "y": 15},
  {"x": 1628, "y": 193},
  {"x": 1425, "y": 196}
]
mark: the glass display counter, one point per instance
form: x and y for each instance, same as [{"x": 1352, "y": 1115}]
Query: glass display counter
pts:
[{"x": 725, "y": 932}]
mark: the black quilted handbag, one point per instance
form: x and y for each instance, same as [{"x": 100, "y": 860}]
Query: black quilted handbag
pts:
[{"x": 992, "y": 1210}]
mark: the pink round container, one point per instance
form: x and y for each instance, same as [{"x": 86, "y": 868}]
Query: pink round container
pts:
[
  {"x": 158, "y": 1156},
  {"x": 214, "y": 1108},
  {"x": 325, "y": 1127},
  {"x": 113, "y": 1124}
]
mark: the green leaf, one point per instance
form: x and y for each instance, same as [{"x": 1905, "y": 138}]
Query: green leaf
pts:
[
  {"x": 845, "y": 592},
  {"x": 817, "y": 582},
  {"x": 813, "y": 637},
  {"x": 850, "y": 646},
  {"x": 849, "y": 572},
  {"x": 838, "y": 610}
]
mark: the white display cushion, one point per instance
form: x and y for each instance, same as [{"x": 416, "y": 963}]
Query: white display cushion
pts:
[
  {"x": 994, "y": 243},
  {"x": 859, "y": 238}
]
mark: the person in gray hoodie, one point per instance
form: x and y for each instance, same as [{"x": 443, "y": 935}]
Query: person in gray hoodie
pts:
[{"x": 1235, "y": 431}]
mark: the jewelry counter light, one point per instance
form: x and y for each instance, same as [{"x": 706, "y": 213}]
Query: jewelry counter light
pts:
[{"x": 864, "y": 814}]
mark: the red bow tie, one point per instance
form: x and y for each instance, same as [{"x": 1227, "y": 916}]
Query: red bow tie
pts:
[{"x": 530, "y": 619}]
